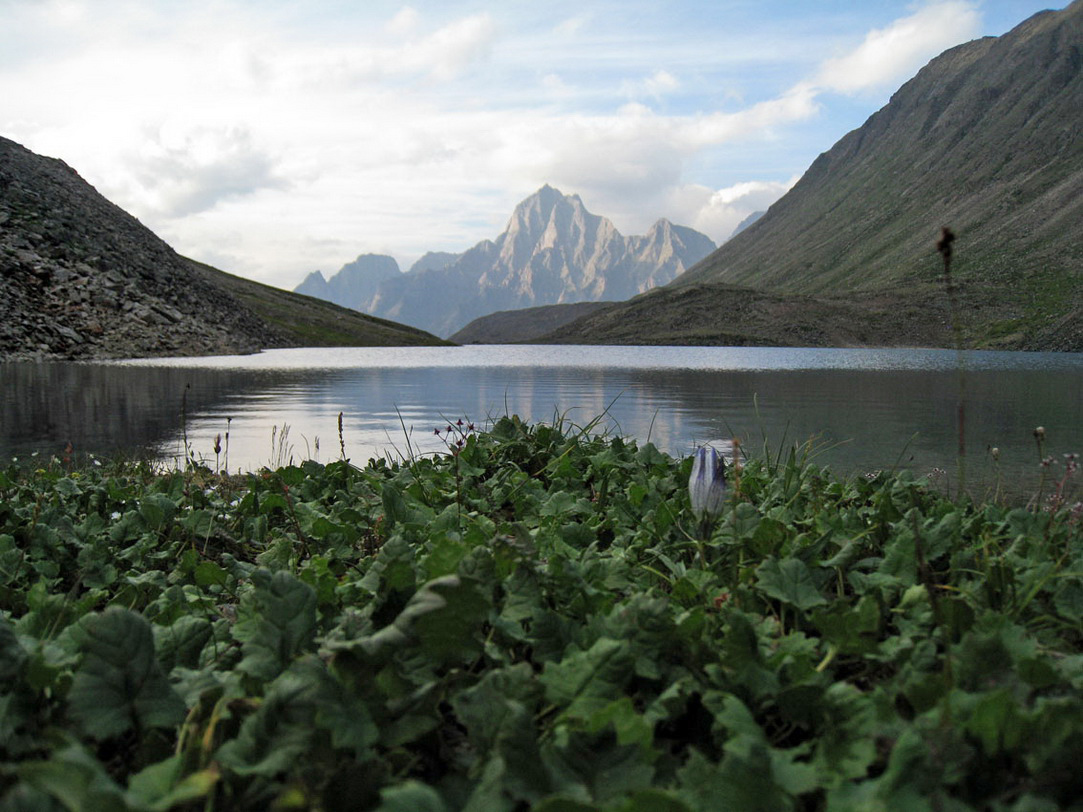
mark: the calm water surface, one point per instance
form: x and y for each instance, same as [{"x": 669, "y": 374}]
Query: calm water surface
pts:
[{"x": 866, "y": 408}]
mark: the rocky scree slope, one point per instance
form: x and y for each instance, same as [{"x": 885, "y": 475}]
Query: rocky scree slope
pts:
[
  {"x": 553, "y": 251},
  {"x": 987, "y": 139},
  {"x": 81, "y": 278}
]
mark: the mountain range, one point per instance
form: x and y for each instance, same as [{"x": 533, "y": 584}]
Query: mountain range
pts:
[
  {"x": 553, "y": 251},
  {"x": 81, "y": 278},
  {"x": 986, "y": 139}
]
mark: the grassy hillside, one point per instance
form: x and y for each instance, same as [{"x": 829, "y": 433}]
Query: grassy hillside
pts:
[
  {"x": 528, "y": 324},
  {"x": 304, "y": 321},
  {"x": 720, "y": 314},
  {"x": 987, "y": 140}
]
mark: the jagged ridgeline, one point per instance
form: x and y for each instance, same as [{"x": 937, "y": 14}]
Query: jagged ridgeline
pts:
[
  {"x": 81, "y": 278},
  {"x": 553, "y": 251},
  {"x": 988, "y": 139}
]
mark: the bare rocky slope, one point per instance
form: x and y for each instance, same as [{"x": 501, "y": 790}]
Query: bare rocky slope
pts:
[
  {"x": 81, "y": 278},
  {"x": 986, "y": 139}
]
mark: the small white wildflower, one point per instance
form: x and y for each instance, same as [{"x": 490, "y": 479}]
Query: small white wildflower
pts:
[
  {"x": 707, "y": 482},
  {"x": 114, "y": 515}
]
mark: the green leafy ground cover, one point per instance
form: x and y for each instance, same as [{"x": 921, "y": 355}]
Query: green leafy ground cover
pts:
[{"x": 532, "y": 623}]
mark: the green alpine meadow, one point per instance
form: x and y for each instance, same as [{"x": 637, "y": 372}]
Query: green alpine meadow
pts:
[{"x": 536, "y": 619}]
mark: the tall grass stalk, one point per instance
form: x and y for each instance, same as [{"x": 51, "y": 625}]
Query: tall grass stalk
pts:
[{"x": 945, "y": 248}]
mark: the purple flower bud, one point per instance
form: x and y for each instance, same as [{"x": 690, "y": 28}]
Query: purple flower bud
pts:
[{"x": 707, "y": 483}]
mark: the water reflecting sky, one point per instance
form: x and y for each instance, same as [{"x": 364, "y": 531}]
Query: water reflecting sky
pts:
[{"x": 874, "y": 406}]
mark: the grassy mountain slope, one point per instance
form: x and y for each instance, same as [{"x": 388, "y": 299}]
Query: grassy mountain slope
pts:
[
  {"x": 985, "y": 139},
  {"x": 305, "y": 321},
  {"x": 715, "y": 313},
  {"x": 525, "y": 325}
]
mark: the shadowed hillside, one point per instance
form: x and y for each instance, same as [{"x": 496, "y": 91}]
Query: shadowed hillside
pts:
[{"x": 81, "y": 278}]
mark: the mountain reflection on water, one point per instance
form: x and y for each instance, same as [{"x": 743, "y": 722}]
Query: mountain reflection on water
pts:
[{"x": 867, "y": 409}]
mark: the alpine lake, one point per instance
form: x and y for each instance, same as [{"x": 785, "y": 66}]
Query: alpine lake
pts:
[{"x": 854, "y": 410}]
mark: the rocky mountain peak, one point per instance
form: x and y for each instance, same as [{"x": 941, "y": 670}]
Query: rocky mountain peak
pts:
[
  {"x": 661, "y": 231},
  {"x": 553, "y": 251},
  {"x": 544, "y": 219}
]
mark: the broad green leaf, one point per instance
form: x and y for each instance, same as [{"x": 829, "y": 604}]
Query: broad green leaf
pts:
[
  {"x": 560, "y": 503},
  {"x": 76, "y": 779},
  {"x": 160, "y": 787},
  {"x": 558, "y": 804},
  {"x": 411, "y": 796},
  {"x": 584, "y": 682},
  {"x": 278, "y": 623},
  {"x": 68, "y": 487},
  {"x": 652, "y": 800},
  {"x": 395, "y": 510},
  {"x": 442, "y": 618},
  {"x": 12, "y": 655},
  {"x": 594, "y": 766},
  {"x": 207, "y": 573},
  {"x": 157, "y": 509},
  {"x": 273, "y": 739},
  {"x": 735, "y": 783},
  {"x": 181, "y": 642},
  {"x": 995, "y": 721},
  {"x": 1069, "y": 599},
  {"x": 630, "y": 726},
  {"x": 789, "y": 581},
  {"x": 486, "y": 707},
  {"x": 846, "y": 746},
  {"x": 119, "y": 684},
  {"x": 852, "y": 628},
  {"x": 304, "y": 700}
]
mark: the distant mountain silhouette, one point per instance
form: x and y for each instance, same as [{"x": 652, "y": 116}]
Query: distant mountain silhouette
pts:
[
  {"x": 553, "y": 251},
  {"x": 752, "y": 218},
  {"x": 355, "y": 284}
]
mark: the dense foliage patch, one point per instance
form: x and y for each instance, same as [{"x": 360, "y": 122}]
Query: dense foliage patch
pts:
[{"x": 535, "y": 620}]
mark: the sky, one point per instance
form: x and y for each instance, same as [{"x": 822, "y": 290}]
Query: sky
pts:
[{"x": 272, "y": 138}]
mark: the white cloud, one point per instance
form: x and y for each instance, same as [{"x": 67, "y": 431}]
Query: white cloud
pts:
[
  {"x": 447, "y": 52},
  {"x": 405, "y": 22},
  {"x": 658, "y": 84},
  {"x": 720, "y": 211},
  {"x": 572, "y": 25},
  {"x": 187, "y": 170},
  {"x": 892, "y": 54}
]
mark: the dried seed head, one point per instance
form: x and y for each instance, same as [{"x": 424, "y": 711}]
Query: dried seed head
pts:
[{"x": 943, "y": 245}]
